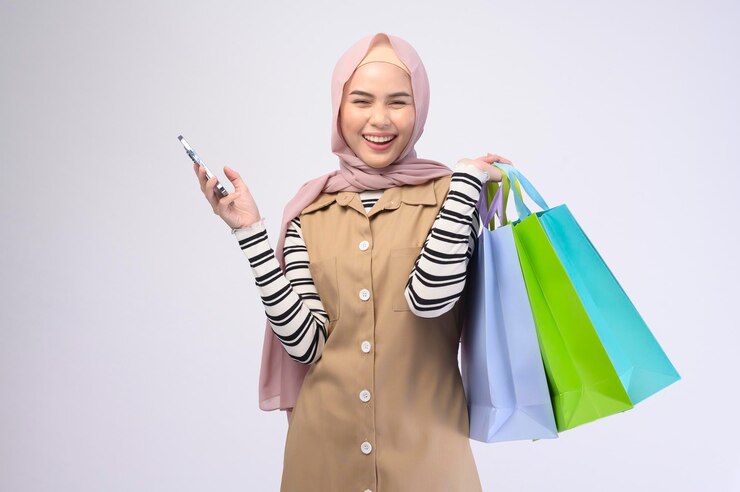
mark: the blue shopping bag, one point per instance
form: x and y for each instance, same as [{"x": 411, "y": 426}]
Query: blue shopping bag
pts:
[
  {"x": 502, "y": 370},
  {"x": 642, "y": 365}
]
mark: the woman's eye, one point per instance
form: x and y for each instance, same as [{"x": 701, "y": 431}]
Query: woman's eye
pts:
[
  {"x": 360, "y": 101},
  {"x": 398, "y": 102}
]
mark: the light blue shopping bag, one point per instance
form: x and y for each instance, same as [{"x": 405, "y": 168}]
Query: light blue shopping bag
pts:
[
  {"x": 502, "y": 370},
  {"x": 642, "y": 365}
]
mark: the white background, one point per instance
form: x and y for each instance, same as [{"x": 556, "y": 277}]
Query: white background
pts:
[{"x": 130, "y": 327}]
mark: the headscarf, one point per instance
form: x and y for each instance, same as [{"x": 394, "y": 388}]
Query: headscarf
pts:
[
  {"x": 280, "y": 376},
  {"x": 382, "y": 51}
]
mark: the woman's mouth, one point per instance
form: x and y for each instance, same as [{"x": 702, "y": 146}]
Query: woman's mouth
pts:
[{"x": 379, "y": 143}]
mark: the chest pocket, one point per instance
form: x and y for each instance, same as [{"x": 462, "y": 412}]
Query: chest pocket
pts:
[
  {"x": 324, "y": 274},
  {"x": 400, "y": 265}
]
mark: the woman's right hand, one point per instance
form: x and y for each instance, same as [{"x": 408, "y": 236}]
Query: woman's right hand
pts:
[
  {"x": 485, "y": 162},
  {"x": 238, "y": 208}
]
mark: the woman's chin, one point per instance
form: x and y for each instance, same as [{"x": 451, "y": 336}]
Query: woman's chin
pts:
[
  {"x": 375, "y": 162},
  {"x": 377, "y": 165}
]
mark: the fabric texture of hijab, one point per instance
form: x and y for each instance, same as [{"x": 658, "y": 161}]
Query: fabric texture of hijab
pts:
[{"x": 280, "y": 376}]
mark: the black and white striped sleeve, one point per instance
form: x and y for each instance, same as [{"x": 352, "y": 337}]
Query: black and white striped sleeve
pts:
[
  {"x": 291, "y": 301},
  {"x": 437, "y": 279}
]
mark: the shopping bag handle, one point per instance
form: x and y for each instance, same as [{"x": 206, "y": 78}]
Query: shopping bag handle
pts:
[
  {"x": 497, "y": 205},
  {"x": 516, "y": 178},
  {"x": 493, "y": 187}
]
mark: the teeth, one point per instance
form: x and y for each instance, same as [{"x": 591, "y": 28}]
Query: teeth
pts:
[{"x": 379, "y": 139}]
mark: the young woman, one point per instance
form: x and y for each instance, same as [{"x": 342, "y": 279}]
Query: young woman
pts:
[{"x": 361, "y": 293}]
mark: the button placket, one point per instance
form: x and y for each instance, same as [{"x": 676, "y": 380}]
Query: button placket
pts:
[{"x": 365, "y": 406}]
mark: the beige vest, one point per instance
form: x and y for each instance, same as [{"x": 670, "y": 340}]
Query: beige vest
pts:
[{"x": 384, "y": 408}]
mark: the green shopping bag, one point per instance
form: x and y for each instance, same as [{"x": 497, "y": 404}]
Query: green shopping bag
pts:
[{"x": 584, "y": 386}]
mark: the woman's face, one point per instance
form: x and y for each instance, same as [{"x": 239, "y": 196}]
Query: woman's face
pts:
[{"x": 377, "y": 101}]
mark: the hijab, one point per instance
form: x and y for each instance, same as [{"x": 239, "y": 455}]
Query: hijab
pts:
[{"x": 280, "y": 376}]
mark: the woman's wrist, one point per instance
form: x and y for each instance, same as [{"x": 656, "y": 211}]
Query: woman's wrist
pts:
[
  {"x": 251, "y": 227},
  {"x": 472, "y": 169}
]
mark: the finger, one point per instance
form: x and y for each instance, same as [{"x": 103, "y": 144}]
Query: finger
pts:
[
  {"x": 224, "y": 202},
  {"x": 488, "y": 158},
  {"x": 201, "y": 173},
  {"x": 234, "y": 177},
  {"x": 498, "y": 158},
  {"x": 210, "y": 192},
  {"x": 201, "y": 177}
]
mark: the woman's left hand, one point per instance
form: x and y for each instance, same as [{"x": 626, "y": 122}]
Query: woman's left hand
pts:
[{"x": 484, "y": 164}]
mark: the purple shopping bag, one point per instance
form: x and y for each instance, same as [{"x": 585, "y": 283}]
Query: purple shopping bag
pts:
[{"x": 502, "y": 370}]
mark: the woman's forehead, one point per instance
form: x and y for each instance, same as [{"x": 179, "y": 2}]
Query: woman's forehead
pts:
[{"x": 379, "y": 79}]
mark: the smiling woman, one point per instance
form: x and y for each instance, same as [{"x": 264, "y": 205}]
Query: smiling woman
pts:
[
  {"x": 377, "y": 113},
  {"x": 361, "y": 294}
]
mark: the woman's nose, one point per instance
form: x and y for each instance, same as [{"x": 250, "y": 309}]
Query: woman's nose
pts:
[{"x": 379, "y": 115}]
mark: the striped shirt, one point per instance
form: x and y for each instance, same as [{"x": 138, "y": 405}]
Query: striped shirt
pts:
[{"x": 291, "y": 301}]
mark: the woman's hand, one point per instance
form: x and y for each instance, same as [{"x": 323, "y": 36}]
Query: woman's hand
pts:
[
  {"x": 238, "y": 208},
  {"x": 484, "y": 164}
]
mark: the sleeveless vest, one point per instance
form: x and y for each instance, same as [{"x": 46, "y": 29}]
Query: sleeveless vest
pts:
[{"x": 383, "y": 409}]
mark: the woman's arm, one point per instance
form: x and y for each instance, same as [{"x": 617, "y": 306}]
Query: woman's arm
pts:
[
  {"x": 437, "y": 280},
  {"x": 291, "y": 301}
]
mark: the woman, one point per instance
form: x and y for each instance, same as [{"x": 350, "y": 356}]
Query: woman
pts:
[{"x": 361, "y": 294}]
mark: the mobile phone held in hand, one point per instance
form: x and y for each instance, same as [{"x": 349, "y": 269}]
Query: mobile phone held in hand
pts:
[{"x": 196, "y": 159}]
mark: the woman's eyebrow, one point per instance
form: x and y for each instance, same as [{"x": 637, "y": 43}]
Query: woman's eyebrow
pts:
[{"x": 367, "y": 94}]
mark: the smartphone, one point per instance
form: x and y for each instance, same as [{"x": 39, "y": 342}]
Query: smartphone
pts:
[{"x": 196, "y": 159}]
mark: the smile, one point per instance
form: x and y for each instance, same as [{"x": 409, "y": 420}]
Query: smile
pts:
[{"x": 378, "y": 140}]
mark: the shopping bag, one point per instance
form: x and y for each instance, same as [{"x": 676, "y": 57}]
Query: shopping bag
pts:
[
  {"x": 584, "y": 384},
  {"x": 642, "y": 365},
  {"x": 503, "y": 375}
]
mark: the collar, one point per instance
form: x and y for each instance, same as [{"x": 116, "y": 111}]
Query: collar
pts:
[{"x": 421, "y": 194}]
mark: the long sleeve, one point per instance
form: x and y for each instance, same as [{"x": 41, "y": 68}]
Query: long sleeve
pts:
[
  {"x": 291, "y": 301},
  {"x": 437, "y": 279}
]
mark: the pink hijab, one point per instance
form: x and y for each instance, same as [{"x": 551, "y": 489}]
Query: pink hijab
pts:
[{"x": 280, "y": 376}]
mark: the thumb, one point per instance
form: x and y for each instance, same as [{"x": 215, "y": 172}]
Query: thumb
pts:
[{"x": 233, "y": 176}]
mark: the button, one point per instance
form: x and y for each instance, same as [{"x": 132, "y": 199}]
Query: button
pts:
[
  {"x": 364, "y": 245},
  {"x": 365, "y": 395},
  {"x": 365, "y": 346},
  {"x": 366, "y": 447},
  {"x": 368, "y": 490},
  {"x": 364, "y": 294}
]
